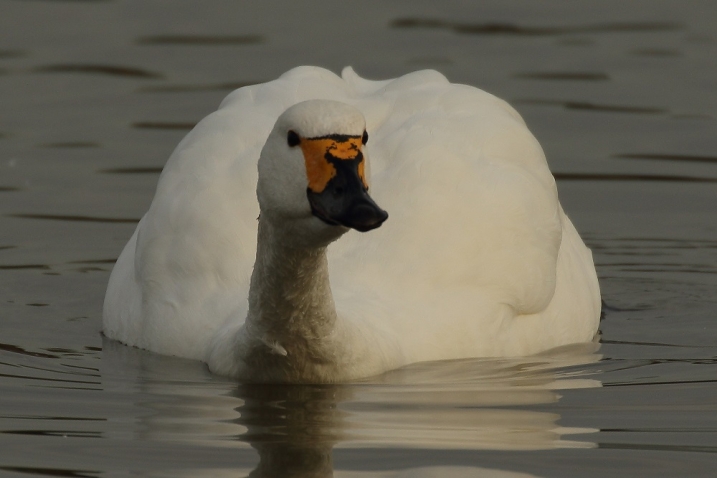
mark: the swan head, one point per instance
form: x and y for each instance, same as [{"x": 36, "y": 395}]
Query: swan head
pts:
[{"x": 312, "y": 171}]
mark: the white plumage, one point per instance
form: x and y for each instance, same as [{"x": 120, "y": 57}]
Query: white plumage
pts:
[{"x": 477, "y": 258}]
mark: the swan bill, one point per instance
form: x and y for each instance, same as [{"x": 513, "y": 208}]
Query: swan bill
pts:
[
  {"x": 350, "y": 207},
  {"x": 337, "y": 190}
]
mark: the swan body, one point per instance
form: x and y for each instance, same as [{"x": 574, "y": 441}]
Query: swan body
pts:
[{"x": 477, "y": 258}]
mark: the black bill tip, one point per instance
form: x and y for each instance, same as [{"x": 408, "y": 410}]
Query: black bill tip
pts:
[
  {"x": 364, "y": 217},
  {"x": 359, "y": 212}
]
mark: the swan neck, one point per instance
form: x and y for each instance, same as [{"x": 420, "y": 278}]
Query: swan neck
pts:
[{"x": 290, "y": 295}]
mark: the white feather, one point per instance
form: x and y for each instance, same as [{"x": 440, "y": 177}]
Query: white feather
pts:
[{"x": 476, "y": 259}]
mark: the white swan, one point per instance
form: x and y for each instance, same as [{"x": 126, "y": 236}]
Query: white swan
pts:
[{"x": 477, "y": 258}]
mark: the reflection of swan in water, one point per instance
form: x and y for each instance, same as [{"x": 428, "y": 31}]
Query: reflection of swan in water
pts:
[
  {"x": 309, "y": 431},
  {"x": 293, "y": 427},
  {"x": 461, "y": 404}
]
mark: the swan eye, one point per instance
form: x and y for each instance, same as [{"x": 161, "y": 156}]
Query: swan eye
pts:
[
  {"x": 292, "y": 138},
  {"x": 364, "y": 138}
]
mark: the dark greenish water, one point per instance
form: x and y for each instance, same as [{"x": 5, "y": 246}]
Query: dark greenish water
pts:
[{"x": 94, "y": 95}]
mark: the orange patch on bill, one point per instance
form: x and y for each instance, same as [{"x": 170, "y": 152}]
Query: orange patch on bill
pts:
[
  {"x": 318, "y": 169},
  {"x": 362, "y": 173}
]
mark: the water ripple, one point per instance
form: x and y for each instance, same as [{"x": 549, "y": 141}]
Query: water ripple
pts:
[
  {"x": 53, "y": 471},
  {"x": 163, "y": 125},
  {"x": 71, "y": 218},
  {"x": 63, "y": 380},
  {"x": 663, "y": 243},
  {"x": 12, "y": 267},
  {"x": 633, "y": 383},
  {"x": 668, "y": 157},
  {"x": 55, "y": 433},
  {"x": 53, "y": 418},
  {"x": 71, "y": 144},
  {"x": 523, "y": 30},
  {"x": 584, "y": 105},
  {"x": 200, "y": 40},
  {"x": 112, "y": 70},
  {"x": 656, "y": 52},
  {"x": 11, "y": 54},
  {"x": 19, "y": 350},
  {"x": 138, "y": 170},
  {"x": 563, "y": 76},
  {"x": 73, "y": 373},
  {"x": 94, "y": 261},
  {"x": 646, "y": 344},
  {"x": 229, "y": 86},
  {"x": 654, "y": 447},
  {"x": 630, "y": 177}
]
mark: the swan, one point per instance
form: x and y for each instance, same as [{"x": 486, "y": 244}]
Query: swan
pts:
[{"x": 275, "y": 251}]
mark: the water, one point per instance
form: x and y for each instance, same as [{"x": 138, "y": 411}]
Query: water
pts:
[{"x": 95, "y": 95}]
